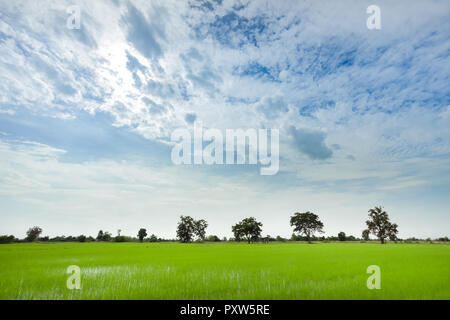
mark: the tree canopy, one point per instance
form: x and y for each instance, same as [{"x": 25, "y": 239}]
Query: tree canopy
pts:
[
  {"x": 142, "y": 233},
  {"x": 188, "y": 228},
  {"x": 248, "y": 229},
  {"x": 306, "y": 223},
  {"x": 380, "y": 225},
  {"x": 33, "y": 233}
]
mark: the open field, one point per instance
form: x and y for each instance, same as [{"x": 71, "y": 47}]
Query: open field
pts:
[{"x": 224, "y": 271}]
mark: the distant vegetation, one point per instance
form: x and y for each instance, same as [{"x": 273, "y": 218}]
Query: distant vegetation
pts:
[{"x": 305, "y": 225}]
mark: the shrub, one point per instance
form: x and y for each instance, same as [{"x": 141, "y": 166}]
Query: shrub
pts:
[
  {"x": 120, "y": 239},
  {"x": 213, "y": 238},
  {"x": 7, "y": 239}
]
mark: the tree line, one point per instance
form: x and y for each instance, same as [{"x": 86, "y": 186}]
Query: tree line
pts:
[{"x": 305, "y": 226}]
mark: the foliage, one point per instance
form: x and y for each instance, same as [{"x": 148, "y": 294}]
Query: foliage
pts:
[
  {"x": 306, "y": 223},
  {"x": 33, "y": 233},
  {"x": 200, "y": 228},
  {"x": 365, "y": 235},
  {"x": 380, "y": 226},
  {"x": 120, "y": 239},
  {"x": 142, "y": 233},
  {"x": 104, "y": 236},
  {"x": 248, "y": 229},
  {"x": 213, "y": 238},
  {"x": 7, "y": 239},
  {"x": 188, "y": 228}
]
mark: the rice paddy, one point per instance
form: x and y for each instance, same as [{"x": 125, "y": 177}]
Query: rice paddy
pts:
[{"x": 224, "y": 271}]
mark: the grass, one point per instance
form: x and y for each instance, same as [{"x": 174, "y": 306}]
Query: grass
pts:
[{"x": 224, "y": 271}]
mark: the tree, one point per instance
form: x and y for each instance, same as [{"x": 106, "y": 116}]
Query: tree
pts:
[
  {"x": 341, "y": 236},
  {"x": 100, "y": 235},
  {"x": 188, "y": 228},
  {"x": 33, "y": 234},
  {"x": 306, "y": 223},
  {"x": 103, "y": 236},
  {"x": 380, "y": 226},
  {"x": 393, "y": 233},
  {"x": 142, "y": 233},
  {"x": 200, "y": 229},
  {"x": 365, "y": 235},
  {"x": 153, "y": 238},
  {"x": 248, "y": 228},
  {"x": 81, "y": 238}
]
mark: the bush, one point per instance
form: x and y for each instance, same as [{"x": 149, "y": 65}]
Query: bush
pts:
[
  {"x": 7, "y": 239},
  {"x": 120, "y": 239},
  {"x": 213, "y": 238}
]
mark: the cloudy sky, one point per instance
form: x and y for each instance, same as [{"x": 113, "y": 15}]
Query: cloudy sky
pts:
[{"x": 86, "y": 114}]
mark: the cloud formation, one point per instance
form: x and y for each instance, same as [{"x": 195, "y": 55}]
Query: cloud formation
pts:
[{"x": 311, "y": 143}]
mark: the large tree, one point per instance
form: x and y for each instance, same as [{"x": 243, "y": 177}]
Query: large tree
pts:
[
  {"x": 306, "y": 223},
  {"x": 33, "y": 233},
  {"x": 200, "y": 229},
  {"x": 380, "y": 226},
  {"x": 248, "y": 228},
  {"x": 100, "y": 235},
  {"x": 142, "y": 233},
  {"x": 342, "y": 236},
  {"x": 188, "y": 228}
]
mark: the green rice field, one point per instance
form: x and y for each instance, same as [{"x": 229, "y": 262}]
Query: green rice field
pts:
[{"x": 224, "y": 271}]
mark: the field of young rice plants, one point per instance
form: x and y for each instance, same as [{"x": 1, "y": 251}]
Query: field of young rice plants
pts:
[{"x": 224, "y": 271}]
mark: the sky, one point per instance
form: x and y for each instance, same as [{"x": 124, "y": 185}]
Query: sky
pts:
[{"x": 86, "y": 114}]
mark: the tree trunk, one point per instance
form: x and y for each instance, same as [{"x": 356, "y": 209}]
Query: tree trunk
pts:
[{"x": 382, "y": 240}]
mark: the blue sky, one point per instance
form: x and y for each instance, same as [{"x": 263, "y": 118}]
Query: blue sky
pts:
[{"x": 86, "y": 115}]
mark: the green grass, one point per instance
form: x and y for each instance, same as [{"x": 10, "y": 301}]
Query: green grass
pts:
[{"x": 224, "y": 271}]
